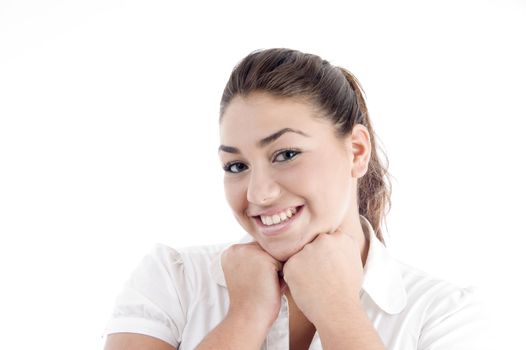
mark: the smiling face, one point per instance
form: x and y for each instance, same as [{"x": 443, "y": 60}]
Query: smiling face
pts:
[{"x": 279, "y": 158}]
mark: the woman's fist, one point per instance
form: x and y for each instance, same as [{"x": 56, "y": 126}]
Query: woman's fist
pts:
[
  {"x": 253, "y": 283},
  {"x": 324, "y": 274}
]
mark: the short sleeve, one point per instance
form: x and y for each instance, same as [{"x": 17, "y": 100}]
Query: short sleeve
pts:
[
  {"x": 153, "y": 300},
  {"x": 457, "y": 321}
]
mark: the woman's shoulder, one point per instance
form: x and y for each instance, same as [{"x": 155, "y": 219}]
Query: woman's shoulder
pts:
[
  {"x": 191, "y": 257},
  {"x": 185, "y": 254},
  {"x": 193, "y": 265},
  {"x": 445, "y": 311},
  {"x": 418, "y": 282},
  {"x": 437, "y": 299},
  {"x": 159, "y": 293}
]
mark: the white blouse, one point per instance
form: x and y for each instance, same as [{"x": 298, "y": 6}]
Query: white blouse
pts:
[{"x": 179, "y": 296}]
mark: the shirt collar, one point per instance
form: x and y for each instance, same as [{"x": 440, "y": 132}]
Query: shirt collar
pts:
[{"x": 382, "y": 279}]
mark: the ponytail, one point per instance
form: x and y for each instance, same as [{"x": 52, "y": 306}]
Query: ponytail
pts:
[{"x": 374, "y": 188}]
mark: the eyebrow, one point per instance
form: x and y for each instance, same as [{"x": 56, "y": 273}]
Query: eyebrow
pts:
[{"x": 263, "y": 142}]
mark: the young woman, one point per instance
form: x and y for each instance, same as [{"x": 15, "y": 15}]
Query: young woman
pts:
[{"x": 304, "y": 179}]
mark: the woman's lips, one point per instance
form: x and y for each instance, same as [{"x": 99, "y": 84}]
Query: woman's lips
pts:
[{"x": 274, "y": 230}]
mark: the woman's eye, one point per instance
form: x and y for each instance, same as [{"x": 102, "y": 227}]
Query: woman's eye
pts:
[
  {"x": 287, "y": 155},
  {"x": 234, "y": 167},
  {"x": 282, "y": 156}
]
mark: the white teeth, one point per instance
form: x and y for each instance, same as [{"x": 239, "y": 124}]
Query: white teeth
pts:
[{"x": 277, "y": 218}]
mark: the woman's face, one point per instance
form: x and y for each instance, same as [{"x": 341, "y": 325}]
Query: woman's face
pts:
[{"x": 280, "y": 159}]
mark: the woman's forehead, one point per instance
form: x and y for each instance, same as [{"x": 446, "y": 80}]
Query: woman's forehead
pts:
[
  {"x": 263, "y": 104},
  {"x": 260, "y": 114}
]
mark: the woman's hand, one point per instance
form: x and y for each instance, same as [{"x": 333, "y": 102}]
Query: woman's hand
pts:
[
  {"x": 325, "y": 275},
  {"x": 253, "y": 283}
]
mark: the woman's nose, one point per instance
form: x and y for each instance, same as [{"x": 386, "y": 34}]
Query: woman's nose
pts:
[{"x": 262, "y": 188}]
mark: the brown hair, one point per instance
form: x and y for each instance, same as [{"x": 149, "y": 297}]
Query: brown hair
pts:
[{"x": 339, "y": 96}]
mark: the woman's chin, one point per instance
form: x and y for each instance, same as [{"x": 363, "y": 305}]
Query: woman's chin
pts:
[
  {"x": 281, "y": 254},
  {"x": 284, "y": 249},
  {"x": 281, "y": 257}
]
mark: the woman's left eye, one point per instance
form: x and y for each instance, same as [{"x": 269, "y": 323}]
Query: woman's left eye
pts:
[{"x": 287, "y": 155}]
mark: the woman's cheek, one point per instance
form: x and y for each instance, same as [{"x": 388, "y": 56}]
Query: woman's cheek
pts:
[
  {"x": 296, "y": 179},
  {"x": 234, "y": 195}
]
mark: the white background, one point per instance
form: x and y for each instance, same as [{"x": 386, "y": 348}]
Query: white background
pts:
[{"x": 109, "y": 135}]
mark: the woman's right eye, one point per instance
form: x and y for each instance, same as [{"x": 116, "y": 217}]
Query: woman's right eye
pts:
[{"x": 234, "y": 167}]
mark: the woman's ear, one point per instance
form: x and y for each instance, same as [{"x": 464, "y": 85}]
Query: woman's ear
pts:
[{"x": 358, "y": 144}]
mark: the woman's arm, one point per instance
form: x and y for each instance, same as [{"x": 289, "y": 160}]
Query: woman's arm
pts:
[
  {"x": 251, "y": 275},
  {"x": 348, "y": 327},
  {"x": 133, "y": 341},
  {"x": 236, "y": 331},
  {"x": 333, "y": 264}
]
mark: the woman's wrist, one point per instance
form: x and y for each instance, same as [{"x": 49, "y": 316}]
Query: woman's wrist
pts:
[
  {"x": 255, "y": 321},
  {"x": 348, "y": 327},
  {"x": 238, "y": 330},
  {"x": 338, "y": 316},
  {"x": 248, "y": 326}
]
